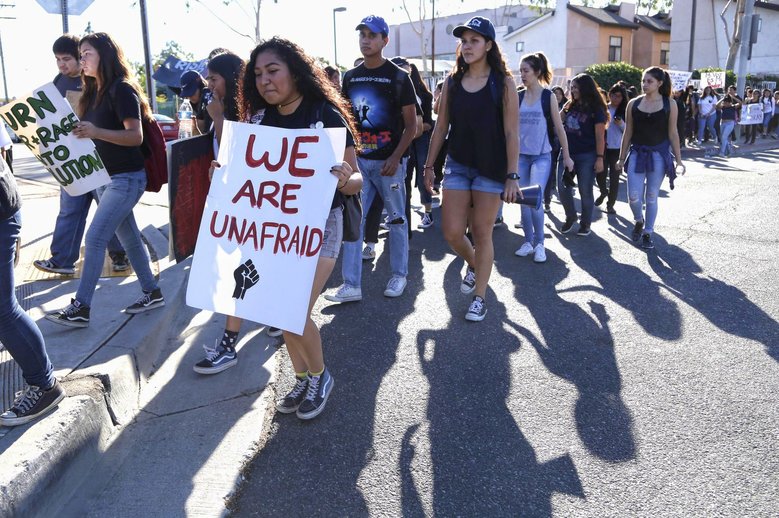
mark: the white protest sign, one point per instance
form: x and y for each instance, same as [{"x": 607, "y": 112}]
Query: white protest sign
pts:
[
  {"x": 679, "y": 79},
  {"x": 751, "y": 114},
  {"x": 43, "y": 121},
  {"x": 713, "y": 79},
  {"x": 263, "y": 224}
]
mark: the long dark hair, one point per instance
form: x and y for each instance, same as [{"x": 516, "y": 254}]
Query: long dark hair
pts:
[
  {"x": 590, "y": 99},
  {"x": 562, "y": 92},
  {"x": 231, "y": 68},
  {"x": 494, "y": 59},
  {"x": 662, "y": 77},
  {"x": 310, "y": 80},
  {"x": 620, "y": 110},
  {"x": 113, "y": 66}
]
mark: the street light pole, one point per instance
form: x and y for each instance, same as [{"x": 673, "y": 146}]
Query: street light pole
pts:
[
  {"x": 147, "y": 58},
  {"x": 335, "y": 34},
  {"x": 64, "y": 5}
]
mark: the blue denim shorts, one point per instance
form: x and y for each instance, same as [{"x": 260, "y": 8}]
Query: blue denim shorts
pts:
[{"x": 459, "y": 177}]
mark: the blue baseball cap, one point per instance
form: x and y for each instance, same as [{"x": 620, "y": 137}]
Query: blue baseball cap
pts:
[
  {"x": 476, "y": 24},
  {"x": 374, "y": 24},
  {"x": 191, "y": 82}
]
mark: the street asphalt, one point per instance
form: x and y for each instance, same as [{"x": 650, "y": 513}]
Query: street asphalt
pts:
[{"x": 609, "y": 381}]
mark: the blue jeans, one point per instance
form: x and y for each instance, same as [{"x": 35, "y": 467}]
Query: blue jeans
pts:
[
  {"x": 704, "y": 122},
  {"x": 584, "y": 163},
  {"x": 18, "y": 332},
  {"x": 392, "y": 190},
  {"x": 418, "y": 148},
  {"x": 534, "y": 169},
  {"x": 644, "y": 189},
  {"x": 115, "y": 215},
  {"x": 726, "y": 128},
  {"x": 69, "y": 229}
]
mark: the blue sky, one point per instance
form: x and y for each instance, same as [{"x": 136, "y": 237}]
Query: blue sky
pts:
[{"x": 27, "y": 39}]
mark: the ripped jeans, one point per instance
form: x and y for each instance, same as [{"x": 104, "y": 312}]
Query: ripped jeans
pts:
[
  {"x": 645, "y": 188},
  {"x": 392, "y": 190}
]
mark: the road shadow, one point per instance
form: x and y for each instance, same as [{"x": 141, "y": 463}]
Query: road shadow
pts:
[
  {"x": 482, "y": 464},
  {"x": 722, "y": 304}
]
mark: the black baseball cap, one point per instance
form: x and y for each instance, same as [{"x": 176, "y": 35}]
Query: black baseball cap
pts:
[
  {"x": 191, "y": 82},
  {"x": 476, "y": 24}
]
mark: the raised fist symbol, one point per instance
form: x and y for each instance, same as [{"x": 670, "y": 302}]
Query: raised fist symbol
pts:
[{"x": 245, "y": 276}]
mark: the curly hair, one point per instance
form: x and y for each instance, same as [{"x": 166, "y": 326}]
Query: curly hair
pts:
[
  {"x": 495, "y": 60},
  {"x": 310, "y": 80},
  {"x": 113, "y": 66},
  {"x": 231, "y": 68}
]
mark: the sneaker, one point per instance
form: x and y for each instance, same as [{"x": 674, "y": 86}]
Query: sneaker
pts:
[
  {"x": 525, "y": 250},
  {"x": 31, "y": 403},
  {"x": 646, "y": 242},
  {"x": 290, "y": 403},
  {"x": 637, "y": 231},
  {"x": 584, "y": 230},
  {"x": 395, "y": 286},
  {"x": 567, "y": 226},
  {"x": 319, "y": 388},
  {"x": 47, "y": 265},
  {"x": 274, "y": 331},
  {"x": 74, "y": 314},
  {"x": 218, "y": 358},
  {"x": 120, "y": 264},
  {"x": 368, "y": 253},
  {"x": 539, "y": 255},
  {"x": 477, "y": 310},
  {"x": 146, "y": 302},
  {"x": 469, "y": 281},
  {"x": 427, "y": 220},
  {"x": 498, "y": 221},
  {"x": 345, "y": 293},
  {"x": 600, "y": 199}
]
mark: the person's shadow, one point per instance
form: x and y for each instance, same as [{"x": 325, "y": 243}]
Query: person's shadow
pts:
[
  {"x": 725, "y": 306},
  {"x": 578, "y": 348},
  {"x": 481, "y": 462}
]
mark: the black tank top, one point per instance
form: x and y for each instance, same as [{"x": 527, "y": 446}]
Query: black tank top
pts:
[
  {"x": 650, "y": 129},
  {"x": 476, "y": 137}
]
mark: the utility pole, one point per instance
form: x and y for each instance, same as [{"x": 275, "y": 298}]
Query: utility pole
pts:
[
  {"x": 64, "y": 5},
  {"x": 2, "y": 56},
  {"x": 743, "y": 56},
  {"x": 147, "y": 58}
]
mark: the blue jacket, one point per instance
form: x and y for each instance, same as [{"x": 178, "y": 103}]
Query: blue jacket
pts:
[{"x": 643, "y": 157}]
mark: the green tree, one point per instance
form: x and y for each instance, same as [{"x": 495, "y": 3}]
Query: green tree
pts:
[{"x": 606, "y": 74}]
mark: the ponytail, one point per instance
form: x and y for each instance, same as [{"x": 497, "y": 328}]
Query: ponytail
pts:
[
  {"x": 663, "y": 78},
  {"x": 540, "y": 65}
]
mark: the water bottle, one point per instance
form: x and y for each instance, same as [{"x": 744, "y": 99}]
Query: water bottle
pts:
[{"x": 185, "y": 119}]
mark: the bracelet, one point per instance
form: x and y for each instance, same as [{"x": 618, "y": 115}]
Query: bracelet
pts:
[{"x": 598, "y": 156}]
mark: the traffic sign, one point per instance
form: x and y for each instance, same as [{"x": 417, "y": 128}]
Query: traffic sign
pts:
[{"x": 75, "y": 7}]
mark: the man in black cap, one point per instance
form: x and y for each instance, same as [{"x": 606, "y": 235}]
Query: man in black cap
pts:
[
  {"x": 384, "y": 104},
  {"x": 193, "y": 86}
]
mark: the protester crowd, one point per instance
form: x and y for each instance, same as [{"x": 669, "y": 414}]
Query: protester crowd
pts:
[{"x": 477, "y": 141}]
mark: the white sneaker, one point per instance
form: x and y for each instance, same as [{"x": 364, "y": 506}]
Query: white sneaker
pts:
[
  {"x": 345, "y": 293},
  {"x": 525, "y": 250},
  {"x": 368, "y": 253},
  {"x": 540, "y": 254},
  {"x": 395, "y": 286},
  {"x": 427, "y": 221}
]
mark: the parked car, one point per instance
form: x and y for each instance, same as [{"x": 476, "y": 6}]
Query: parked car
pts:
[{"x": 169, "y": 127}]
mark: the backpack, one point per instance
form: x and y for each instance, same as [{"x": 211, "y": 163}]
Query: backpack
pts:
[
  {"x": 155, "y": 156},
  {"x": 546, "y": 96}
]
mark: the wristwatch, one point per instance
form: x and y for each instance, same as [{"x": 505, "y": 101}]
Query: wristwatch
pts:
[{"x": 512, "y": 176}]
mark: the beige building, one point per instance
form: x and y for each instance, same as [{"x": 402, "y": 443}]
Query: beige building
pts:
[{"x": 652, "y": 41}]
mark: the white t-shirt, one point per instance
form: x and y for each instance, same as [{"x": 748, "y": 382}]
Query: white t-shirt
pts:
[{"x": 707, "y": 105}]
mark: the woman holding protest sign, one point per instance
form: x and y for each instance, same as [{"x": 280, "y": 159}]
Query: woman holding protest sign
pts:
[
  {"x": 285, "y": 88},
  {"x": 110, "y": 108}
]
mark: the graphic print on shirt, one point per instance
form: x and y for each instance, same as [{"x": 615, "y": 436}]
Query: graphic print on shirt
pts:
[
  {"x": 374, "y": 113},
  {"x": 574, "y": 121}
]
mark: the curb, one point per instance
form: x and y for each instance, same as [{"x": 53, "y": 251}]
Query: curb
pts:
[{"x": 50, "y": 456}]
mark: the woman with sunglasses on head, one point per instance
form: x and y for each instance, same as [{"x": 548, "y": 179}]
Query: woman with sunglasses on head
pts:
[
  {"x": 111, "y": 107},
  {"x": 479, "y": 110},
  {"x": 651, "y": 135}
]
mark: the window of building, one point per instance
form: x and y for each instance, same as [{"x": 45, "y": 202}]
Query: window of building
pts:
[
  {"x": 615, "y": 48},
  {"x": 520, "y": 46},
  {"x": 664, "y": 50}
]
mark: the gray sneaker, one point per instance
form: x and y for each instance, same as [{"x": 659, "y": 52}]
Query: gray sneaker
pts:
[
  {"x": 395, "y": 287},
  {"x": 345, "y": 293}
]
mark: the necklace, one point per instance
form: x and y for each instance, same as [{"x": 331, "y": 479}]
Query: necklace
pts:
[{"x": 287, "y": 104}]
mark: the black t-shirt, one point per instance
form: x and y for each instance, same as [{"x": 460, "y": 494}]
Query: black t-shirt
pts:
[
  {"x": 306, "y": 116},
  {"x": 378, "y": 96},
  {"x": 120, "y": 103},
  {"x": 580, "y": 129},
  {"x": 65, "y": 83}
]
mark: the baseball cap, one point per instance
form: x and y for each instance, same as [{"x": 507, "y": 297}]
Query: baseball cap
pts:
[
  {"x": 191, "y": 81},
  {"x": 374, "y": 24},
  {"x": 476, "y": 24}
]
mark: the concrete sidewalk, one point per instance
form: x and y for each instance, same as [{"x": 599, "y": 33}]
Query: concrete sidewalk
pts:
[{"x": 104, "y": 368}]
